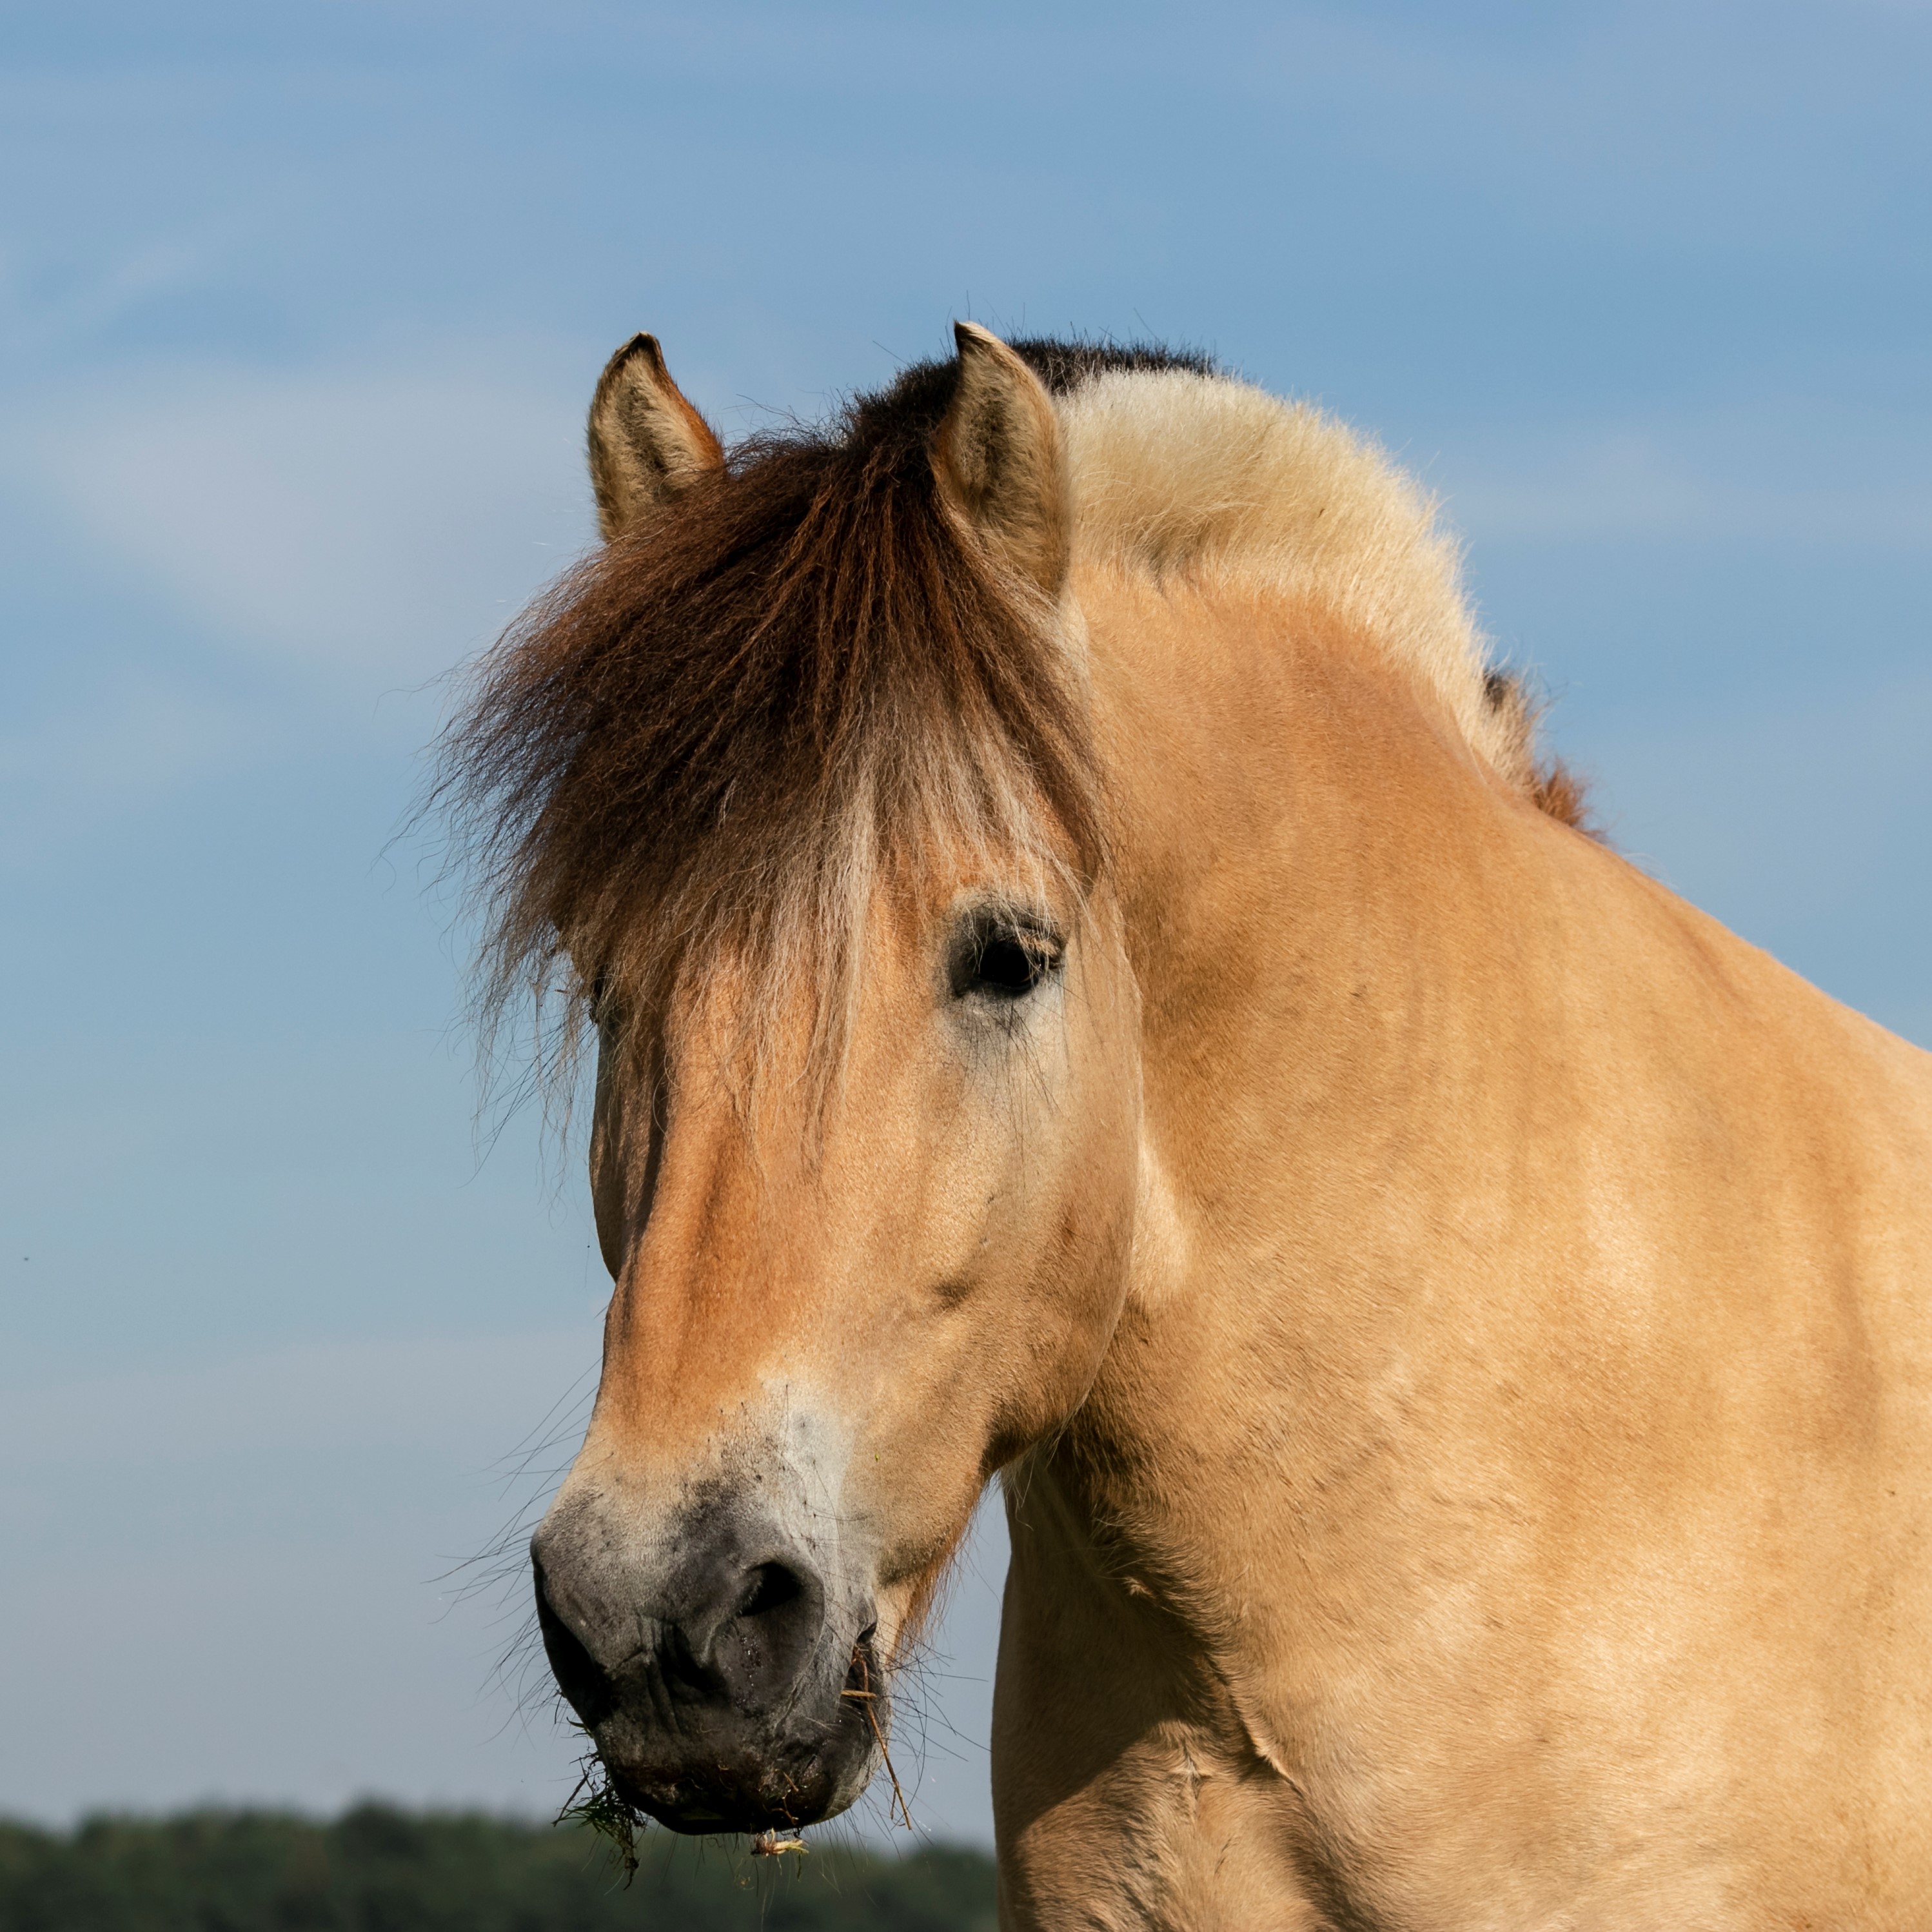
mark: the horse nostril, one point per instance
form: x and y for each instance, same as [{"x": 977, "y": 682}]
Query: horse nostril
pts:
[
  {"x": 579, "y": 1675},
  {"x": 768, "y": 1588},
  {"x": 763, "y": 1631}
]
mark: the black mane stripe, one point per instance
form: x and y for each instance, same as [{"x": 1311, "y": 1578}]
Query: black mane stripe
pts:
[{"x": 1064, "y": 364}]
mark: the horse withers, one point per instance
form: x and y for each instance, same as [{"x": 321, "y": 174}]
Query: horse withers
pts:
[{"x": 1092, "y": 985}]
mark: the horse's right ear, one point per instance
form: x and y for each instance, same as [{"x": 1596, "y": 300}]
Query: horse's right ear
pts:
[
  {"x": 647, "y": 443},
  {"x": 997, "y": 459}
]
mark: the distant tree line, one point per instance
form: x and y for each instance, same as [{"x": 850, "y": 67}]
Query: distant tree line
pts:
[{"x": 377, "y": 1869}]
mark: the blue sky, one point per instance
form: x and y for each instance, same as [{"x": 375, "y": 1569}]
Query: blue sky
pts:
[{"x": 301, "y": 307}]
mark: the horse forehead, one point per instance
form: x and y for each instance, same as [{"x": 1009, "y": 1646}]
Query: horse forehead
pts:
[
  {"x": 739, "y": 1056},
  {"x": 874, "y": 954},
  {"x": 749, "y": 1033}
]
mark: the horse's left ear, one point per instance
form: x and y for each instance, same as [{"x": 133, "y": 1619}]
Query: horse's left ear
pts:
[
  {"x": 647, "y": 443},
  {"x": 998, "y": 460}
]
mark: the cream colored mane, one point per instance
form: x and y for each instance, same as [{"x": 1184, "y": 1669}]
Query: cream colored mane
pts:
[{"x": 1173, "y": 472}]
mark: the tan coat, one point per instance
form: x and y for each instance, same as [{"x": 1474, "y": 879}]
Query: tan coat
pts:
[
  {"x": 1505, "y": 1500},
  {"x": 1454, "y": 1323}
]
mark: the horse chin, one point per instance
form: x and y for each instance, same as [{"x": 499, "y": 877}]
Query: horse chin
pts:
[{"x": 779, "y": 1785}]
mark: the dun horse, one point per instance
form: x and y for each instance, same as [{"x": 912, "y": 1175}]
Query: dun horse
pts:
[{"x": 1093, "y": 986}]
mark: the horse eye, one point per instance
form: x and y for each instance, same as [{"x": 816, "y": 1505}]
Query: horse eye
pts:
[
  {"x": 1002, "y": 962},
  {"x": 1008, "y": 967}
]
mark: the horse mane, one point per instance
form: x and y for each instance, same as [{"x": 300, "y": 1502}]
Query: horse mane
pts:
[
  {"x": 709, "y": 737},
  {"x": 1182, "y": 472}
]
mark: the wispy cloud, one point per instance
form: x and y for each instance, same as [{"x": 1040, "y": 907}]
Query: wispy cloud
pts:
[
  {"x": 359, "y": 527},
  {"x": 293, "y": 559}
]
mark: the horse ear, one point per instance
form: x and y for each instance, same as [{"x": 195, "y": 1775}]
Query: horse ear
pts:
[
  {"x": 647, "y": 443},
  {"x": 997, "y": 457}
]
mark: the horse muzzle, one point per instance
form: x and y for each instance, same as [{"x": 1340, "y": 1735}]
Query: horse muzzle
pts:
[{"x": 727, "y": 1683}]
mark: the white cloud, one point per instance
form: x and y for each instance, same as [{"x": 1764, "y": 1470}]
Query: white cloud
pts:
[{"x": 364, "y": 527}]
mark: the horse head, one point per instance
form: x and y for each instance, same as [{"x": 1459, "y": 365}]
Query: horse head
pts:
[{"x": 793, "y": 784}]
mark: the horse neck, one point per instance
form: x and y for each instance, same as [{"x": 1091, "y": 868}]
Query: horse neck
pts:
[
  {"x": 1335, "y": 908},
  {"x": 1345, "y": 931}
]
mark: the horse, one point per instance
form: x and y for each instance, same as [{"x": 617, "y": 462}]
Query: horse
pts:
[{"x": 1096, "y": 987}]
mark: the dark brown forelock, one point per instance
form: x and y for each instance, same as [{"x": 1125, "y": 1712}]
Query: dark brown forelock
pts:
[{"x": 710, "y": 740}]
